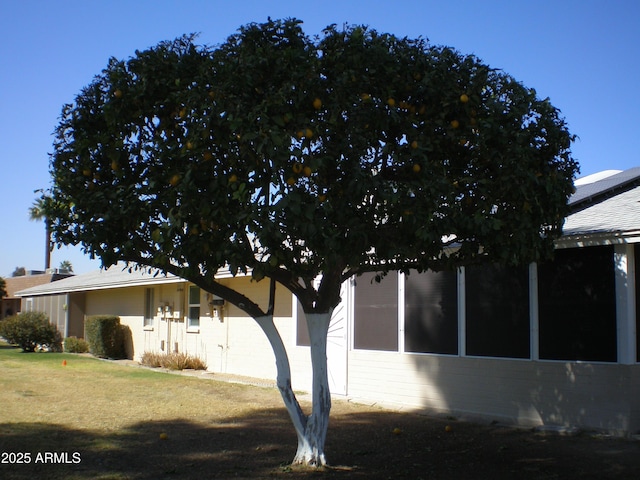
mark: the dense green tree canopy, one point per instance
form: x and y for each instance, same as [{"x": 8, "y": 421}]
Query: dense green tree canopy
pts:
[
  {"x": 294, "y": 156},
  {"x": 298, "y": 159}
]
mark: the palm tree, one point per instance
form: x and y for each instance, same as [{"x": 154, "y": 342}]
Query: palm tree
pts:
[
  {"x": 66, "y": 265},
  {"x": 36, "y": 213}
]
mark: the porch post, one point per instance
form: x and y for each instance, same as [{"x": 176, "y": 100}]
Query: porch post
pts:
[{"x": 624, "y": 265}]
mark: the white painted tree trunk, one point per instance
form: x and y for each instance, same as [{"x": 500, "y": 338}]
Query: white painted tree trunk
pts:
[
  {"x": 283, "y": 375},
  {"x": 311, "y": 430},
  {"x": 311, "y": 451}
]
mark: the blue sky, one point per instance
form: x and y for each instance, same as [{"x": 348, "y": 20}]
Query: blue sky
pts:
[{"x": 582, "y": 54}]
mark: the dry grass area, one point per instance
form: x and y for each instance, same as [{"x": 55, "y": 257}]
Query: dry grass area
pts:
[{"x": 94, "y": 419}]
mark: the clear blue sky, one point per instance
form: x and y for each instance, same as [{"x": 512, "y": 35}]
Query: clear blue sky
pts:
[{"x": 583, "y": 54}]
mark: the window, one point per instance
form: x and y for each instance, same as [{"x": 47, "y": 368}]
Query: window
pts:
[
  {"x": 431, "y": 312},
  {"x": 577, "y": 305},
  {"x": 302, "y": 331},
  {"x": 149, "y": 307},
  {"x": 497, "y": 311},
  {"x": 194, "y": 307},
  {"x": 376, "y": 312}
]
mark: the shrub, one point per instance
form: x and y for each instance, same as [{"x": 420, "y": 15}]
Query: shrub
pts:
[
  {"x": 31, "y": 330},
  {"x": 75, "y": 345},
  {"x": 105, "y": 336},
  {"x": 172, "y": 361}
]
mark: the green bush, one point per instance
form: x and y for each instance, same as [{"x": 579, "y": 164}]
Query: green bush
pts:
[
  {"x": 75, "y": 345},
  {"x": 31, "y": 330},
  {"x": 172, "y": 361},
  {"x": 105, "y": 336}
]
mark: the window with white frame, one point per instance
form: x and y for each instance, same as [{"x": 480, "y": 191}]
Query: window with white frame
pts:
[
  {"x": 577, "y": 305},
  {"x": 497, "y": 311},
  {"x": 376, "y": 312},
  {"x": 194, "y": 307},
  {"x": 149, "y": 307},
  {"x": 431, "y": 312}
]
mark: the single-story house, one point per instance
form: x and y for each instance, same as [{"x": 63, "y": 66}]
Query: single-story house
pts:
[
  {"x": 554, "y": 344},
  {"x": 11, "y": 304}
]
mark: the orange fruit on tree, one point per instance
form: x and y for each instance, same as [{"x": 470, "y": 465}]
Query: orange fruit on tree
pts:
[
  {"x": 291, "y": 181},
  {"x": 455, "y": 123},
  {"x": 414, "y": 144},
  {"x": 416, "y": 168},
  {"x": 174, "y": 180},
  {"x": 317, "y": 104},
  {"x": 391, "y": 102},
  {"x": 117, "y": 93},
  {"x": 233, "y": 178},
  {"x": 307, "y": 171},
  {"x": 464, "y": 98}
]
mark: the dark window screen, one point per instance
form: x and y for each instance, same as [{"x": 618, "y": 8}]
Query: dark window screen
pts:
[
  {"x": 431, "y": 312},
  {"x": 497, "y": 311},
  {"x": 636, "y": 250},
  {"x": 302, "y": 331},
  {"x": 376, "y": 313},
  {"x": 577, "y": 305}
]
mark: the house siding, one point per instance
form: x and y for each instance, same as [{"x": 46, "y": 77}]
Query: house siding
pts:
[{"x": 590, "y": 396}]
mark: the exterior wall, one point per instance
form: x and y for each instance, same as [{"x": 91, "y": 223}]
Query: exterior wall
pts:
[
  {"x": 591, "y": 396},
  {"x": 231, "y": 344},
  {"x": 76, "y": 309},
  {"x": 241, "y": 348},
  {"x": 127, "y": 303},
  {"x": 55, "y": 306}
]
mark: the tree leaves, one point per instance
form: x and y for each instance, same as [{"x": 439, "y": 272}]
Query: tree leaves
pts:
[{"x": 294, "y": 156}]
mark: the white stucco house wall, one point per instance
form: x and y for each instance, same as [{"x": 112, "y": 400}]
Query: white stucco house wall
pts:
[{"x": 553, "y": 344}]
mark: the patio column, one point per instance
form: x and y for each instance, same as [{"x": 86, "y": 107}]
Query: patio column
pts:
[{"x": 624, "y": 264}]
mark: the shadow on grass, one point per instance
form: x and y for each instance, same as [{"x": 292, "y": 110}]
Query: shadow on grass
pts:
[
  {"x": 152, "y": 450},
  {"x": 367, "y": 445}
]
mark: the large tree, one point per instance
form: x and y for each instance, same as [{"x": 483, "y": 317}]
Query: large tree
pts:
[{"x": 307, "y": 161}]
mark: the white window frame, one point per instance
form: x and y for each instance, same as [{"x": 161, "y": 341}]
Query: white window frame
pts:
[
  {"x": 192, "y": 326},
  {"x": 149, "y": 309}
]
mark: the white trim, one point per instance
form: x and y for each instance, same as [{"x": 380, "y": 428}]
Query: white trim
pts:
[
  {"x": 534, "y": 314},
  {"x": 462, "y": 313},
  {"x": 401, "y": 311},
  {"x": 624, "y": 265}
]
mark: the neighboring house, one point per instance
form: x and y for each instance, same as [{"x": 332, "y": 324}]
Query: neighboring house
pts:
[
  {"x": 550, "y": 344},
  {"x": 11, "y": 304}
]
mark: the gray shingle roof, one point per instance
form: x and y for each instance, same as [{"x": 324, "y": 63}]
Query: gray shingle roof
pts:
[
  {"x": 594, "y": 192},
  {"x": 617, "y": 214},
  {"x": 116, "y": 276}
]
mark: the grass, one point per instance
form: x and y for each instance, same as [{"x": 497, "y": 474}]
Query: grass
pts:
[
  {"x": 53, "y": 402},
  {"x": 89, "y": 393},
  {"x": 127, "y": 423}
]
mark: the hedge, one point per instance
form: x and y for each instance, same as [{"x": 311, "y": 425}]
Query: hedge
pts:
[{"x": 105, "y": 336}]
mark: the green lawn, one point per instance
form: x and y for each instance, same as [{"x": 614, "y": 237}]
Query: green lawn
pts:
[{"x": 56, "y": 403}]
